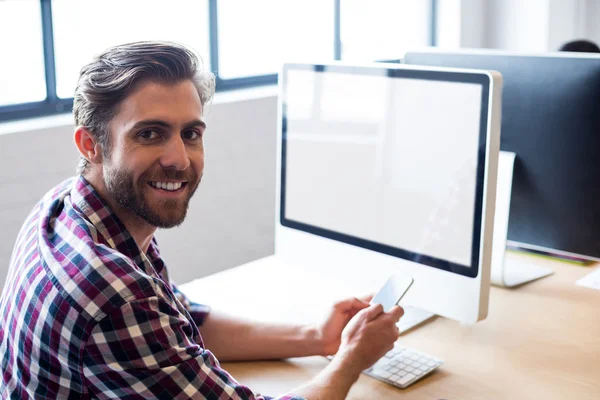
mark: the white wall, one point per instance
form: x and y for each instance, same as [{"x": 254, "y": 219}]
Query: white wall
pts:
[
  {"x": 590, "y": 17},
  {"x": 473, "y": 22},
  {"x": 231, "y": 217},
  {"x": 449, "y": 24},
  {"x": 516, "y": 25},
  {"x": 566, "y": 21},
  {"x": 461, "y": 23}
]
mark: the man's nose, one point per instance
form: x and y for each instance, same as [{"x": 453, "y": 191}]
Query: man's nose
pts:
[{"x": 175, "y": 154}]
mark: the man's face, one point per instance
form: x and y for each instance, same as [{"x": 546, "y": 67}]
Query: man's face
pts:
[{"x": 156, "y": 159}]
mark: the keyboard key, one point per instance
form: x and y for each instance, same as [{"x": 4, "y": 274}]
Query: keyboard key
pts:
[
  {"x": 405, "y": 379},
  {"x": 386, "y": 374}
]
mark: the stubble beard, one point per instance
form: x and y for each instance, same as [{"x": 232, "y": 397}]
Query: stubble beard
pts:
[{"x": 133, "y": 196}]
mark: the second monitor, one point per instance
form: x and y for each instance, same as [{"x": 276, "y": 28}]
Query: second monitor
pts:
[{"x": 551, "y": 120}]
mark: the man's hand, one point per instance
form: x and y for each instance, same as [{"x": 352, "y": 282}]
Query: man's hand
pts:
[
  {"x": 369, "y": 335},
  {"x": 365, "y": 339},
  {"x": 330, "y": 331}
]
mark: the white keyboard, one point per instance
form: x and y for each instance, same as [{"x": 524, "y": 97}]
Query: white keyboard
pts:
[{"x": 402, "y": 367}]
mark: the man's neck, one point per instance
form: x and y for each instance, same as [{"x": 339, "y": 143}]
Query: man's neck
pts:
[{"x": 140, "y": 230}]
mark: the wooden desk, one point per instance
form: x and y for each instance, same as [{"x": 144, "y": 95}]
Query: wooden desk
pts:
[{"x": 540, "y": 341}]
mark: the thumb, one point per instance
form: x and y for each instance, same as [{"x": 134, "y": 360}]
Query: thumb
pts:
[
  {"x": 397, "y": 312},
  {"x": 367, "y": 298},
  {"x": 373, "y": 311}
]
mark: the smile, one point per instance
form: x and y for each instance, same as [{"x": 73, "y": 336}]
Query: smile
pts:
[{"x": 169, "y": 186}]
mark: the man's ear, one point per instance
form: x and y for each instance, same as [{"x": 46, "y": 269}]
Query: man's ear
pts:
[{"x": 87, "y": 145}]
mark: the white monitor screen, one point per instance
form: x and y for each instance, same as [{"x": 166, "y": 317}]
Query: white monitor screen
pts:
[{"x": 386, "y": 161}]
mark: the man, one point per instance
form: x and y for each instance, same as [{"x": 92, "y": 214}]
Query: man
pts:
[
  {"x": 580, "y": 46},
  {"x": 88, "y": 310}
]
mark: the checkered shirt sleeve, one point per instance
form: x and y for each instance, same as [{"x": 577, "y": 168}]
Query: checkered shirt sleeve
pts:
[
  {"x": 146, "y": 349},
  {"x": 197, "y": 311}
]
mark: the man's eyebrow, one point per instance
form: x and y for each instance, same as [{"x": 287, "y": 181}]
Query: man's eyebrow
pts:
[
  {"x": 164, "y": 124},
  {"x": 150, "y": 122},
  {"x": 195, "y": 123}
]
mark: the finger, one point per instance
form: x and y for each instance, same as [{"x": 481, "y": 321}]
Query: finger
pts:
[
  {"x": 360, "y": 303},
  {"x": 351, "y": 305},
  {"x": 396, "y": 312},
  {"x": 367, "y": 298},
  {"x": 373, "y": 311},
  {"x": 357, "y": 306}
]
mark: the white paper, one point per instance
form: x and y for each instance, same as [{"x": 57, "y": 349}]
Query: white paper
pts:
[{"x": 591, "y": 280}]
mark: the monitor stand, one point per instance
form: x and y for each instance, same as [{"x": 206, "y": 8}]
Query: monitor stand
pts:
[
  {"x": 412, "y": 318},
  {"x": 508, "y": 272},
  {"x": 505, "y": 271}
]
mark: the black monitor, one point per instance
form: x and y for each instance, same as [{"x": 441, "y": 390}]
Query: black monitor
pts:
[{"x": 551, "y": 120}]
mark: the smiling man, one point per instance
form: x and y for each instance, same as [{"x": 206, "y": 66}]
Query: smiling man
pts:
[{"x": 88, "y": 310}]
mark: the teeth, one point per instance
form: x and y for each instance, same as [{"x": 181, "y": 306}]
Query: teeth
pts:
[{"x": 167, "y": 185}]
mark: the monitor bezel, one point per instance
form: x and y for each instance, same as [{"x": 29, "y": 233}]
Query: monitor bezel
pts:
[{"x": 398, "y": 71}]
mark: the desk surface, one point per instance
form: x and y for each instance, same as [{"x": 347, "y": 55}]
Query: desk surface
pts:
[{"x": 540, "y": 341}]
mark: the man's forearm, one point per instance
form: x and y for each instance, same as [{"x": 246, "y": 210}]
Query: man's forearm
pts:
[
  {"x": 233, "y": 339},
  {"x": 333, "y": 383}
]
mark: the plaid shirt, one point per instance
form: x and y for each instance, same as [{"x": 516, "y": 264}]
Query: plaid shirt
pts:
[{"x": 85, "y": 314}]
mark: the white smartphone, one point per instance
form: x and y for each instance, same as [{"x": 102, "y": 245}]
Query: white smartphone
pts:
[{"x": 393, "y": 290}]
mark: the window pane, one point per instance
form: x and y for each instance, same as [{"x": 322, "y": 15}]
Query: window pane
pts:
[
  {"x": 383, "y": 29},
  {"x": 22, "y": 77},
  {"x": 256, "y": 37},
  {"x": 84, "y": 28}
]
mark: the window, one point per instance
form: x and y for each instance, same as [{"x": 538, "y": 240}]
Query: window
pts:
[
  {"x": 84, "y": 28},
  {"x": 22, "y": 78},
  {"x": 383, "y": 29},
  {"x": 44, "y": 43},
  {"x": 255, "y": 37}
]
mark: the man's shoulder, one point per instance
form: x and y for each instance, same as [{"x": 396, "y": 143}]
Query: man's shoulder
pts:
[
  {"x": 58, "y": 192},
  {"x": 103, "y": 279},
  {"x": 83, "y": 263}
]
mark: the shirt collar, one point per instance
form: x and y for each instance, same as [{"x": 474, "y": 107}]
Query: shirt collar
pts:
[{"x": 110, "y": 227}]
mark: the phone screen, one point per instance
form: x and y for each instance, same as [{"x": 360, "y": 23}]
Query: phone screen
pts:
[{"x": 392, "y": 291}]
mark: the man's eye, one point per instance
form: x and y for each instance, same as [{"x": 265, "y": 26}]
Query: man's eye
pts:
[
  {"x": 148, "y": 134},
  {"x": 191, "y": 135}
]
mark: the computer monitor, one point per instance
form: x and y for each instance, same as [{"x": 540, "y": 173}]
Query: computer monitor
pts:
[
  {"x": 385, "y": 167},
  {"x": 551, "y": 120}
]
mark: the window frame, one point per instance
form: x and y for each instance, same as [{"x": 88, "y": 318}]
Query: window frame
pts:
[{"x": 53, "y": 104}]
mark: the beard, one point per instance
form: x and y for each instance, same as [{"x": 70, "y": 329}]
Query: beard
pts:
[{"x": 134, "y": 196}]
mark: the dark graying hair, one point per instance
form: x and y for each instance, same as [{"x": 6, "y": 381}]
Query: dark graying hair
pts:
[{"x": 113, "y": 75}]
